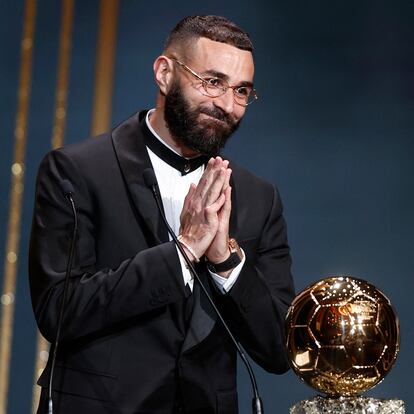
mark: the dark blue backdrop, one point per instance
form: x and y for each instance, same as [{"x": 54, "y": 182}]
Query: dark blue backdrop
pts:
[{"x": 332, "y": 128}]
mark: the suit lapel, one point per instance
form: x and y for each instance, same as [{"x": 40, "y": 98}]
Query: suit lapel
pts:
[
  {"x": 203, "y": 317},
  {"x": 133, "y": 160}
]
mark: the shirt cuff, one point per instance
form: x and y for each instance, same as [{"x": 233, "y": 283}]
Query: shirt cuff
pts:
[
  {"x": 225, "y": 284},
  {"x": 187, "y": 276}
]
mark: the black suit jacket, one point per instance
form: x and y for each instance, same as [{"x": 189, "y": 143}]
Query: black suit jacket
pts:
[{"x": 124, "y": 346}]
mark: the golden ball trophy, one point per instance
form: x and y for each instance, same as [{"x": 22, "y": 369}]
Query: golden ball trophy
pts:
[{"x": 342, "y": 338}]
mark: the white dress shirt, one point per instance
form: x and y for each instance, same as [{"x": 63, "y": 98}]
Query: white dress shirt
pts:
[{"x": 173, "y": 188}]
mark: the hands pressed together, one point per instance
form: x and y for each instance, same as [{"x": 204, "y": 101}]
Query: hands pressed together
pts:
[{"x": 206, "y": 214}]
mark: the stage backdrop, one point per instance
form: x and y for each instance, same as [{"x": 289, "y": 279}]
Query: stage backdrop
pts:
[{"x": 333, "y": 129}]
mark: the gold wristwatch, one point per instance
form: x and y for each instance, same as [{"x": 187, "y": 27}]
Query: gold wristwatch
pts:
[{"x": 231, "y": 262}]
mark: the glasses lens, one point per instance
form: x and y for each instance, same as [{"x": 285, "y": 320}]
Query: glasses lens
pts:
[
  {"x": 215, "y": 87},
  {"x": 244, "y": 96}
]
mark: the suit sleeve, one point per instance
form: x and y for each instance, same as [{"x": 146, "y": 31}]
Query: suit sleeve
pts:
[
  {"x": 257, "y": 303},
  {"x": 98, "y": 298}
]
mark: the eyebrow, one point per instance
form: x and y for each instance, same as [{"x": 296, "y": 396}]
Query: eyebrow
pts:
[{"x": 220, "y": 75}]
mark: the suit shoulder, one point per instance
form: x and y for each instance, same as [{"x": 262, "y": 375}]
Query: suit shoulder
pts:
[
  {"x": 97, "y": 148},
  {"x": 88, "y": 158},
  {"x": 87, "y": 147},
  {"x": 247, "y": 179},
  {"x": 90, "y": 151},
  {"x": 254, "y": 190}
]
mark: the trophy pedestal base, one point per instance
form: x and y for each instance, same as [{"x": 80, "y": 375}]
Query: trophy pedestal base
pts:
[{"x": 348, "y": 405}]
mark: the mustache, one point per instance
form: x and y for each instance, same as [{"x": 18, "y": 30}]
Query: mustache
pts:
[{"x": 218, "y": 114}]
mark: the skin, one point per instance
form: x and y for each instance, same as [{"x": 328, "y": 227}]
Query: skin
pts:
[{"x": 206, "y": 211}]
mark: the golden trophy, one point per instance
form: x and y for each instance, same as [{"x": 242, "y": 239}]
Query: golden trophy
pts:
[{"x": 342, "y": 338}]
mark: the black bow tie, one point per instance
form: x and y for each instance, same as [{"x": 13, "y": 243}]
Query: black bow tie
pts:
[{"x": 181, "y": 164}]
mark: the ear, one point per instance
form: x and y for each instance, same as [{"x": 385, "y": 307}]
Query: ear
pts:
[{"x": 163, "y": 72}]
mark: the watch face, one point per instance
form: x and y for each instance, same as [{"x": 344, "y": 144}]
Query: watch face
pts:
[{"x": 233, "y": 245}]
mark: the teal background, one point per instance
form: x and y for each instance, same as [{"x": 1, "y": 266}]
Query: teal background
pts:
[{"x": 333, "y": 128}]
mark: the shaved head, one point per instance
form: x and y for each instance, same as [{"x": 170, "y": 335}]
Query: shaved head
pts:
[{"x": 217, "y": 28}]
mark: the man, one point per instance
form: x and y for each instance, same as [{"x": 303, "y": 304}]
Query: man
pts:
[{"x": 138, "y": 335}]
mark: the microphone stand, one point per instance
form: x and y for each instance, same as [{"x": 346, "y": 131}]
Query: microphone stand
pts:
[
  {"x": 257, "y": 405},
  {"x": 68, "y": 190}
]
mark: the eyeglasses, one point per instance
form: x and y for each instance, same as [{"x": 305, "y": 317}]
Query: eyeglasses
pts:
[{"x": 215, "y": 87}]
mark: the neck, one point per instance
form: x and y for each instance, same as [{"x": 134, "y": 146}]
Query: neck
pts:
[{"x": 157, "y": 122}]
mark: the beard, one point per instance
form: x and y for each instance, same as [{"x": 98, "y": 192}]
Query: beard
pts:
[{"x": 206, "y": 136}]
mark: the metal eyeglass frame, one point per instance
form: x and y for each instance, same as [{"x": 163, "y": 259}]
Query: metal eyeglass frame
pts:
[{"x": 253, "y": 94}]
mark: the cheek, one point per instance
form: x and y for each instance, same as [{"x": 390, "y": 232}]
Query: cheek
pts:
[
  {"x": 192, "y": 91},
  {"x": 195, "y": 98},
  {"x": 239, "y": 112}
]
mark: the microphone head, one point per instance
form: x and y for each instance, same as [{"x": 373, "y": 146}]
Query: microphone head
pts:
[
  {"x": 149, "y": 177},
  {"x": 67, "y": 187}
]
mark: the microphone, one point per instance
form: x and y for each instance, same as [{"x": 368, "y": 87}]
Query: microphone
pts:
[
  {"x": 67, "y": 188},
  {"x": 68, "y": 191},
  {"x": 151, "y": 182}
]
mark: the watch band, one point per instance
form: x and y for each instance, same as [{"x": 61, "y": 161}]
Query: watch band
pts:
[{"x": 231, "y": 262}]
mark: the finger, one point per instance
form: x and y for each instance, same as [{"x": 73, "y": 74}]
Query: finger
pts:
[
  {"x": 189, "y": 196},
  {"x": 213, "y": 165},
  {"x": 207, "y": 177},
  {"x": 213, "y": 192},
  {"x": 227, "y": 181},
  {"x": 218, "y": 160},
  {"x": 225, "y": 212},
  {"x": 212, "y": 210}
]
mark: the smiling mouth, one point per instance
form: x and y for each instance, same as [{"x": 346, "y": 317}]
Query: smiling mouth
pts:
[{"x": 207, "y": 116}]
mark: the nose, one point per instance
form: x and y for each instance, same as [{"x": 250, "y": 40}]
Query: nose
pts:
[{"x": 225, "y": 101}]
